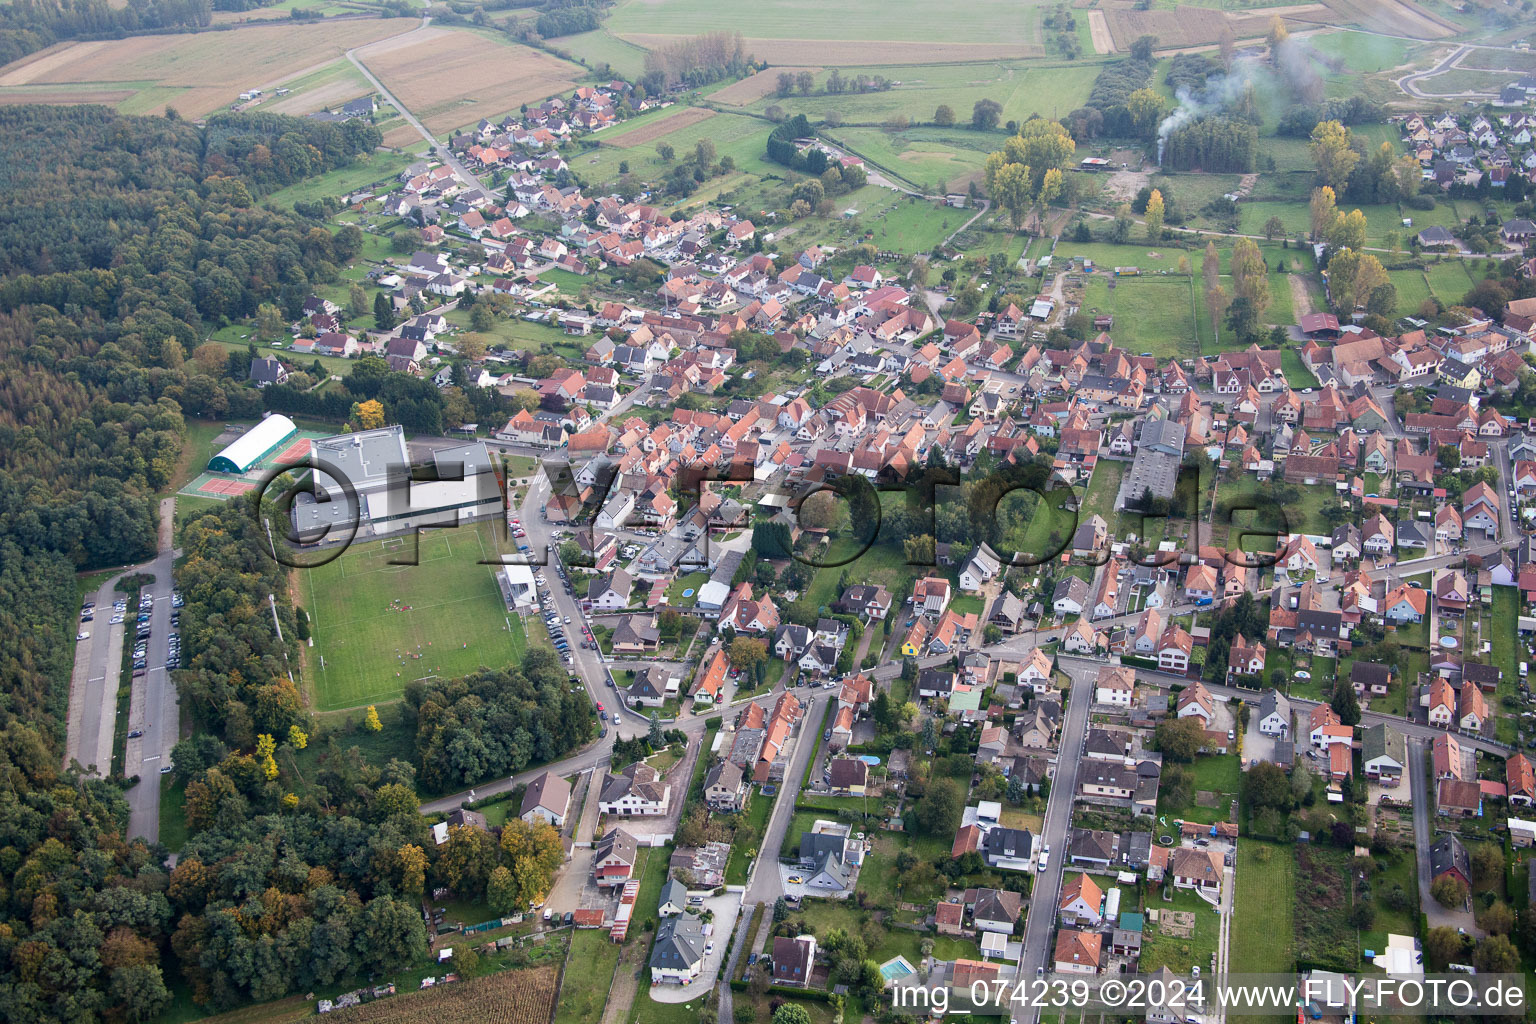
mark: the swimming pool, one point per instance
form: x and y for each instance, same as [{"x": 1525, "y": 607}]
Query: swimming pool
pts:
[{"x": 896, "y": 968}]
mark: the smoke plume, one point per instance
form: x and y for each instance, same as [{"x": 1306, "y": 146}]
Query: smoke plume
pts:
[{"x": 1219, "y": 93}]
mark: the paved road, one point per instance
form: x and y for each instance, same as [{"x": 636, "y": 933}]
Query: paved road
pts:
[
  {"x": 1423, "y": 838},
  {"x": 1410, "y": 83},
  {"x": 1302, "y": 705},
  {"x": 1046, "y": 892},
  {"x": 154, "y": 707},
  {"x": 767, "y": 882}
]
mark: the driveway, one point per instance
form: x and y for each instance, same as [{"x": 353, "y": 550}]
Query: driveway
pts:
[{"x": 726, "y": 908}]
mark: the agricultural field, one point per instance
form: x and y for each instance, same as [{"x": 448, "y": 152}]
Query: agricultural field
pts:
[
  {"x": 379, "y": 625},
  {"x": 1389, "y": 17},
  {"x": 450, "y": 78},
  {"x": 508, "y": 997},
  {"x": 777, "y": 29},
  {"x": 1180, "y": 27},
  {"x": 197, "y": 74},
  {"x": 326, "y": 89},
  {"x": 653, "y": 129}
]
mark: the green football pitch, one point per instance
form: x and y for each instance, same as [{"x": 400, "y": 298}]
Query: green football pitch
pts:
[{"x": 378, "y": 625}]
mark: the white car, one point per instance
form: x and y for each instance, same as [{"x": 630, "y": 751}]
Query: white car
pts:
[{"x": 83, "y": 636}]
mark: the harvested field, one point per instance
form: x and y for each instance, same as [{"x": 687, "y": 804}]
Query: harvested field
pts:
[
  {"x": 1098, "y": 30},
  {"x": 449, "y": 78},
  {"x": 509, "y": 997},
  {"x": 323, "y": 97},
  {"x": 44, "y": 62},
  {"x": 756, "y": 87},
  {"x": 653, "y": 130},
  {"x": 65, "y": 97},
  {"x": 868, "y": 52},
  {"x": 1195, "y": 26},
  {"x": 401, "y": 137},
  {"x": 1389, "y": 17},
  {"x": 205, "y": 71}
]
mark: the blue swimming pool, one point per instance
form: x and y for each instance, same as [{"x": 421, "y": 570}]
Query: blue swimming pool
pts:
[{"x": 896, "y": 968}]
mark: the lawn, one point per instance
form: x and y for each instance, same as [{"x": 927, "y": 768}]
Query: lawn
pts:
[
  {"x": 1262, "y": 933},
  {"x": 756, "y": 819},
  {"x": 1102, "y": 488},
  {"x": 1449, "y": 281},
  {"x": 1399, "y": 870},
  {"x": 744, "y": 139},
  {"x": 1304, "y": 515},
  {"x": 599, "y": 46},
  {"x": 883, "y": 943},
  {"x": 173, "y": 813},
  {"x": 936, "y": 158},
  {"x": 1180, "y": 953},
  {"x": 1211, "y": 773},
  {"x": 378, "y": 625},
  {"x": 1152, "y": 314},
  {"x": 584, "y": 991},
  {"x": 377, "y": 169},
  {"x": 1023, "y": 88}
]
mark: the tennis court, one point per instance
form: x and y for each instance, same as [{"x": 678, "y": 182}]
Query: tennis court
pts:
[{"x": 223, "y": 486}]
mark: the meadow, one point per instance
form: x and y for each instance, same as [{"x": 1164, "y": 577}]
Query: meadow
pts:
[
  {"x": 378, "y": 625},
  {"x": 602, "y": 47},
  {"x": 1152, "y": 314},
  {"x": 1023, "y": 89},
  {"x": 993, "y": 23}
]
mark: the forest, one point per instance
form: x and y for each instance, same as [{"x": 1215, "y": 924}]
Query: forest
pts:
[
  {"x": 127, "y": 240},
  {"x": 495, "y": 722},
  {"x": 1217, "y": 145}
]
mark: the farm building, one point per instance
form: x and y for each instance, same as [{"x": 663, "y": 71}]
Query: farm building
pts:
[{"x": 250, "y": 448}]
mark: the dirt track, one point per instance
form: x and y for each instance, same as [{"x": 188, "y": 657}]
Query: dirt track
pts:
[{"x": 1098, "y": 28}]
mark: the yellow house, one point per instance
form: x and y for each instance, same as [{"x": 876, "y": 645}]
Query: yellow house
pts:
[{"x": 917, "y": 637}]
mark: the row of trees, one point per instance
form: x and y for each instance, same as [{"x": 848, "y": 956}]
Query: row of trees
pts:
[
  {"x": 694, "y": 61},
  {"x": 837, "y": 84}
]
